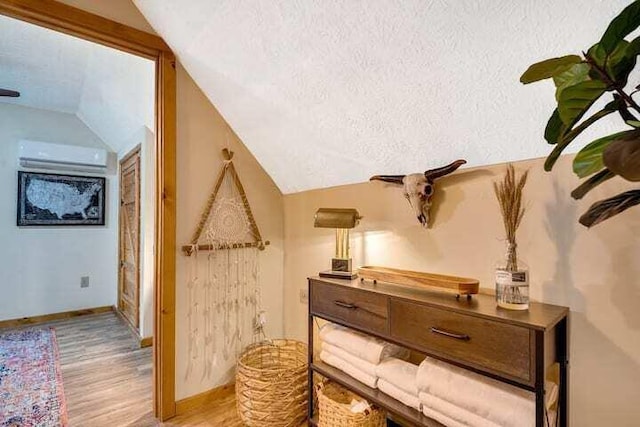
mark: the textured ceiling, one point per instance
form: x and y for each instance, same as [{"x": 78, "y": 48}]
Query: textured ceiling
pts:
[
  {"x": 331, "y": 92},
  {"x": 110, "y": 91}
]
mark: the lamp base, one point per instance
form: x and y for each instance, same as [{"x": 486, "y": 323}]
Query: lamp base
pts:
[
  {"x": 348, "y": 275},
  {"x": 341, "y": 264}
]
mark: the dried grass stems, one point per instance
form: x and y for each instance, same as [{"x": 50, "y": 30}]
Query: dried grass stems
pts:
[{"x": 509, "y": 195}]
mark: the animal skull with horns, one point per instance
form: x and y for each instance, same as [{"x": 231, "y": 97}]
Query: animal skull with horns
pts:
[{"x": 419, "y": 187}]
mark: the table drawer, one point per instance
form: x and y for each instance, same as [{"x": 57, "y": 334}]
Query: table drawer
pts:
[
  {"x": 352, "y": 307},
  {"x": 485, "y": 344}
]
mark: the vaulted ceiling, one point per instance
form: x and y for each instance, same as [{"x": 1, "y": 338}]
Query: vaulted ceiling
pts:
[
  {"x": 110, "y": 91},
  {"x": 331, "y": 92}
]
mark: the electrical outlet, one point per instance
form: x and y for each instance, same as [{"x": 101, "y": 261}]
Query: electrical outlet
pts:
[
  {"x": 262, "y": 318},
  {"x": 259, "y": 322},
  {"x": 84, "y": 282},
  {"x": 304, "y": 296}
]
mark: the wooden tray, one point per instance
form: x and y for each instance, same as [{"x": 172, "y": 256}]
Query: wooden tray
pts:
[{"x": 441, "y": 282}]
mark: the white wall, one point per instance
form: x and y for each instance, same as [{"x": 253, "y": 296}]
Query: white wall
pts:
[
  {"x": 146, "y": 139},
  {"x": 40, "y": 267},
  {"x": 118, "y": 88},
  {"x": 326, "y": 93}
]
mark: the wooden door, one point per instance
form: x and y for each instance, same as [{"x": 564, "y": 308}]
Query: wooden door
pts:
[{"x": 129, "y": 276}]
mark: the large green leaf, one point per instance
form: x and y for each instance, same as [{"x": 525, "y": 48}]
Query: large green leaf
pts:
[
  {"x": 617, "y": 64},
  {"x": 545, "y": 69},
  {"x": 589, "y": 159},
  {"x": 554, "y": 128},
  {"x": 633, "y": 49},
  {"x": 575, "y": 100},
  {"x": 622, "y": 156},
  {"x": 607, "y": 208},
  {"x": 597, "y": 53},
  {"x": 620, "y": 67},
  {"x": 591, "y": 183},
  {"x": 565, "y": 138},
  {"x": 573, "y": 75},
  {"x": 621, "y": 26}
]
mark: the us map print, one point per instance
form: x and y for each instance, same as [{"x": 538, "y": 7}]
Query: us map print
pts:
[{"x": 51, "y": 199}]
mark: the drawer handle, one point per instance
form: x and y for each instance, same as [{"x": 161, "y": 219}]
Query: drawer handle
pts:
[
  {"x": 345, "y": 305},
  {"x": 463, "y": 337}
]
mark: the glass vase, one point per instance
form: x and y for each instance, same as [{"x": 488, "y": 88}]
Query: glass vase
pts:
[{"x": 512, "y": 281}]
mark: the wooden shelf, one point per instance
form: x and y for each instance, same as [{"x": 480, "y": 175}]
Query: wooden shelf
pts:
[
  {"x": 377, "y": 397},
  {"x": 408, "y": 316}
]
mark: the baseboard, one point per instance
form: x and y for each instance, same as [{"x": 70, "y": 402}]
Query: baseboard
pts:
[
  {"x": 193, "y": 402},
  {"x": 33, "y": 320},
  {"x": 146, "y": 342}
]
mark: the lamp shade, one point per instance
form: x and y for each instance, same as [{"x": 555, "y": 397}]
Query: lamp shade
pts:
[{"x": 336, "y": 218}]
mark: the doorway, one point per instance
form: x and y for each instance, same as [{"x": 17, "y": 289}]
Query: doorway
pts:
[{"x": 69, "y": 20}]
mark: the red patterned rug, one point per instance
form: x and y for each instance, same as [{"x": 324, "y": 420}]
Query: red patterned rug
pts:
[{"x": 31, "y": 392}]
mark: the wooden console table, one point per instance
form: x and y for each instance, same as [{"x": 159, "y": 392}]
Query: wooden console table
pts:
[{"x": 515, "y": 347}]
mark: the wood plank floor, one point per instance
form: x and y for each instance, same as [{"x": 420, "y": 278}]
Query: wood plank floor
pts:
[
  {"x": 222, "y": 413},
  {"x": 108, "y": 378},
  {"x": 106, "y": 375}
]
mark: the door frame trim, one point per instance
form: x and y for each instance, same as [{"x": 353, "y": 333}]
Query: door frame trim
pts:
[{"x": 77, "y": 22}]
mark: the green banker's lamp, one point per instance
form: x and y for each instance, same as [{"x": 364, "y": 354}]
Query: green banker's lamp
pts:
[{"x": 342, "y": 220}]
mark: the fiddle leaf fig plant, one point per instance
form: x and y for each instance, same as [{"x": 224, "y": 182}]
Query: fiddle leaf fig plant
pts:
[{"x": 580, "y": 81}]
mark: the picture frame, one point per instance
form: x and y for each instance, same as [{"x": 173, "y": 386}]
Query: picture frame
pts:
[{"x": 47, "y": 199}]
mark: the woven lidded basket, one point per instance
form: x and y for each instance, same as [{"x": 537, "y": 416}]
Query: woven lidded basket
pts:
[
  {"x": 271, "y": 384},
  {"x": 334, "y": 408}
]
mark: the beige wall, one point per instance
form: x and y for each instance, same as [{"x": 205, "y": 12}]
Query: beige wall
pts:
[
  {"x": 595, "y": 272},
  {"x": 202, "y": 133}
]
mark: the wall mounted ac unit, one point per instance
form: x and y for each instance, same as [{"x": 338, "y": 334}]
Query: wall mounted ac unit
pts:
[{"x": 45, "y": 155}]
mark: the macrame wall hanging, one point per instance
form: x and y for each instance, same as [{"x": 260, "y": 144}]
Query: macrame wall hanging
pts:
[{"x": 225, "y": 306}]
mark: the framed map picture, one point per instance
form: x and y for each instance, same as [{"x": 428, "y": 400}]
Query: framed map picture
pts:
[{"x": 52, "y": 199}]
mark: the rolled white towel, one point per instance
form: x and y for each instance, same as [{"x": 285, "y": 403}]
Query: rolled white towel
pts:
[
  {"x": 399, "y": 373},
  {"x": 388, "y": 388},
  {"x": 457, "y": 415},
  {"x": 500, "y": 403},
  {"x": 551, "y": 394},
  {"x": 368, "y": 348},
  {"x": 441, "y": 418},
  {"x": 551, "y": 416},
  {"x": 363, "y": 365},
  {"x": 348, "y": 368}
]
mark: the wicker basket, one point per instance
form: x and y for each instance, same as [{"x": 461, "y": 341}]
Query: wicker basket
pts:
[
  {"x": 271, "y": 384},
  {"x": 333, "y": 404}
]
